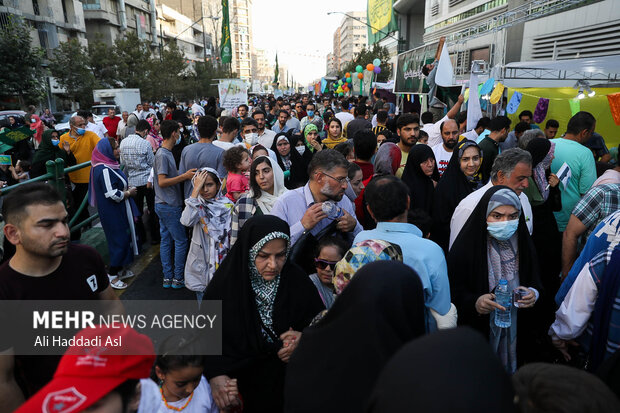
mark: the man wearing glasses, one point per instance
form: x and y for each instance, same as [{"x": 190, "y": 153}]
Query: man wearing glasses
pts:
[{"x": 302, "y": 208}]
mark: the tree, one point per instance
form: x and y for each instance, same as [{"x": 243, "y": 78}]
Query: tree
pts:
[
  {"x": 134, "y": 63},
  {"x": 170, "y": 71},
  {"x": 70, "y": 67},
  {"x": 367, "y": 55},
  {"x": 22, "y": 74},
  {"x": 104, "y": 64}
]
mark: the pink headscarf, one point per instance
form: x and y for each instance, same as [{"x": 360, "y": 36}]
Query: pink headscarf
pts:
[
  {"x": 37, "y": 126},
  {"x": 153, "y": 137},
  {"x": 103, "y": 154}
]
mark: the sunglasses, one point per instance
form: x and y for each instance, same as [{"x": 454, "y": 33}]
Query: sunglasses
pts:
[{"x": 322, "y": 264}]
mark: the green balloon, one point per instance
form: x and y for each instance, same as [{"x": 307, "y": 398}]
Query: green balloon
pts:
[
  {"x": 359, "y": 69},
  {"x": 340, "y": 94},
  {"x": 349, "y": 80},
  {"x": 340, "y": 82}
]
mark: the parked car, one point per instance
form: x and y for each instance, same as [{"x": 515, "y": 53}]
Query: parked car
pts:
[{"x": 18, "y": 114}]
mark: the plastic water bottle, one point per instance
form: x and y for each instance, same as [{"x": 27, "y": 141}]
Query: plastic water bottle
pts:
[
  {"x": 503, "y": 297},
  {"x": 332, "y": 210}
]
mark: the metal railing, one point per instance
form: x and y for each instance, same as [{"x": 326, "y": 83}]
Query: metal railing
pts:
[{"x": 55, "y": 177}]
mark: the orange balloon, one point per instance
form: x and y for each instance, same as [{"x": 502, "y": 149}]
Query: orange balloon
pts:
[
  {"x": 360, "y": 75},
  {"x": 370, "y": 67},
  {"x": 347, "y": 74}
]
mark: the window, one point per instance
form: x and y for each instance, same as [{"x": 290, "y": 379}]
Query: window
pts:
[{"x": 91, "y": 4}]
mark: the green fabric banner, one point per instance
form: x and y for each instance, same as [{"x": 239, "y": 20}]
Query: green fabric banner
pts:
[
  {"x": 381, "y": 20},
  {"x": 277, "y": 71},
  {"x": 11, "y": 137},
  {"x": 225, "y": 47}
]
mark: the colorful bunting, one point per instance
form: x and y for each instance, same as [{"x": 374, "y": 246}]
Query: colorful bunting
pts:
[
  {"x": 614, "y": 106},
  {"x": 497, "y": 93},
  {"x": 514, "y": 103},
  {"x": 575, "y": 106},
  {"x": 541, "y": 110}
]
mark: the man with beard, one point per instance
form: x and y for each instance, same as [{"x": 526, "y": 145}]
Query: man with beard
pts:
[
  {"x": 408, "y": 130},
  {"x": 443, "y": 152},
  {"x": 499, "y": 127},
  {"x": 46, "y": 266},
  {"x": 302, "y": 208}
]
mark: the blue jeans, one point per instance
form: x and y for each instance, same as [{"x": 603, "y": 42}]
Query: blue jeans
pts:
[{"x": 172, "y": 232}]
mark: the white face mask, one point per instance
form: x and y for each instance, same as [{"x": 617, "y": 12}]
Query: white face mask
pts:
[
  {"x": 251, "y": 138},
  {"x": 301, "y": 149},
  {"x": 181, "y": 130}
]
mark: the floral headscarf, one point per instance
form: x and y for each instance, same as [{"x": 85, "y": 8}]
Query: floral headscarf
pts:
[
  {"x": 361, "y": 254},
  {"x": 154, "y": 136},
  {"x": 265, "y": 291}
]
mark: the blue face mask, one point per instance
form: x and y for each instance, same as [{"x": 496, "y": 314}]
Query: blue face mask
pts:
[
  {"x": 178, "y": 140},
  {"x": 503, "y": 230},
  {"x": 310, "y": 113},
  {"x": 55, "y": 142},
  {"x": 81, "y": 131}
]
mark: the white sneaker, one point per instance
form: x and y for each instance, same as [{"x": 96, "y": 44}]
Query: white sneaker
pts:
[{"x": 118, "y": 284}]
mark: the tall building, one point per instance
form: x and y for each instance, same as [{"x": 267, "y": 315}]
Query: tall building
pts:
[
  {"x": 330, "y": 67},
  {"x": 51, "y": 22},
  {"x": 106, "y": 20},
  {"x": 240, "y": 17},
  {"x": 353, "y": 36},
  {"x": 349, "y": 39},
  {"x": 188, "y": 34},
  {"x": 262, "y": 69}
]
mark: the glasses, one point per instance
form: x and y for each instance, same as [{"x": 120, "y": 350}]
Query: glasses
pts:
[
  {"x": 341, "y": 181},
  {"x": 322, "y": 264}
]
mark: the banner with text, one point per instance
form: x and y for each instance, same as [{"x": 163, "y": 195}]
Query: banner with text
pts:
[
  {"x": 381, "y": 20},
  {"x": 233, "y": 92}
]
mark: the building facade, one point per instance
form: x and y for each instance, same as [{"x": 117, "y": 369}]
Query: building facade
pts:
[
  {"x": 349, "y": 39},
  {"x": 502, "y": 31},
  {"x": 240, "y": 16},
  {"x": 262, "y": 70},
  {"x": 330, "y": 65}
]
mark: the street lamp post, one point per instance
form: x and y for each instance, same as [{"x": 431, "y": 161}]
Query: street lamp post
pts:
[{"x": 362, "y": 21}]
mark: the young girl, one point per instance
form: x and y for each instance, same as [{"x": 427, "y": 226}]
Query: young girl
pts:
[
  {"x": 177, "y": 383},
  {"x": 210, "y": 214},
  {"x": 237, "y": 162},
  {"x": 329, "y": 251},
  {"x": 21, "y": 171}
]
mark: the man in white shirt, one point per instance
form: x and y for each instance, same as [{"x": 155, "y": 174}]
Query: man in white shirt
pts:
[
  {"x": 474, "y": 134},
  {"x": 434, "y": 133},
  {"x": 345, "y": 116},
  {"x": 265, "y": 136},
  {"x": 100, "y": 130},
  {"x": 443, "y": 151},
  {"x": 511, "y": 168},
  {"x": 230, "y": 128}
]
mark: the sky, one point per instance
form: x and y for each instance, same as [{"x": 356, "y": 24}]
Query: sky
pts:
[{"x": 300, "y": 31}]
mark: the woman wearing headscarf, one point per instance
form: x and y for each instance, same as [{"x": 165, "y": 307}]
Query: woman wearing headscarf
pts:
[
  {"x": 448, "y": 371},
  {"x": 311, "y": 144},
  {"x": 209, "y": 213},
  {"x": 50, "y": 150},
  {"x": 154, "y": 137},
  {"x": 421, "y": 176},
  {"x": 495, "y": 244},
  {"x": 459, "y": 180},
  {"x": 132, "y": 122},
  {"x": 266, "y": 302},
  {"x": 545, "y": 197},
  {"x": 110, "y": 192},
  {"x": 334, "y": 133},
  {"x": 266, "y": 185},
  {"x": 293, "y": 165},
  {"x": 211, "y": 108},
  {"x": 36, "y": 124},
  {"x": 339, "y": 359}
]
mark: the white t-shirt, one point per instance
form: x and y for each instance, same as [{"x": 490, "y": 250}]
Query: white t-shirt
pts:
[
  {"x": 266, "y": 139},
  {"x": 344, "y": 118},
  {"x": 442, "y": 157},
  {"x": 226, "y": 145},
  {"x": 100, "y": 130},
  {"x": 151, "y": 401}
]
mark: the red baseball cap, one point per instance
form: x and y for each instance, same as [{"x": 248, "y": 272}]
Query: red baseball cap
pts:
[{"x": 87, "y": 373}]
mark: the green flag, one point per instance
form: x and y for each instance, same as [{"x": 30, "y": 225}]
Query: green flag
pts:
[
  {"x": 381, "y": 20},
  {"x": 277, "y": 71},
  {"x": 225, "y": 47}
]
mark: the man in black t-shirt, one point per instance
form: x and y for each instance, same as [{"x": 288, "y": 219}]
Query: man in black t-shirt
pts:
[{"x": 46, "y": 266}]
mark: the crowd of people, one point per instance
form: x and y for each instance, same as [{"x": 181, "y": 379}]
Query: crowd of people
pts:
[{"x": 346, "y": 241}]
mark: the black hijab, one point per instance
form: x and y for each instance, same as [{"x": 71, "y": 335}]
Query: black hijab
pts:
[
  {"x": 299, "y": 167},
  {"x": 452, "y": 188},
  {"x": 338, "y": 360},
  {"x": 296, "y": 303},
  {"x": 447, "y": 371},
  {"x": 468, "y": 266},
  {"x": 421, "y": 187}
]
